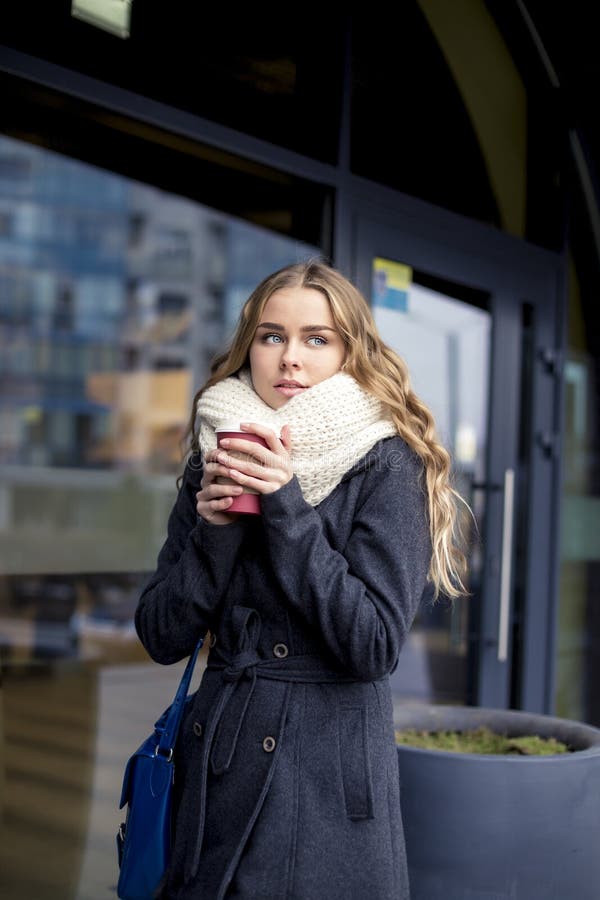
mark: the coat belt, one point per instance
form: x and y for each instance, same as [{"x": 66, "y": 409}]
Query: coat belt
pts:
[{"x": 244, "y": 664}]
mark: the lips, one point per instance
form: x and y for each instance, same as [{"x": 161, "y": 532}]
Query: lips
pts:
[{"x": 289, "y": 388}]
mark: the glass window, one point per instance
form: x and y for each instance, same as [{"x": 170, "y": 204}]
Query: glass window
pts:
[
  {"x": 269, "y": 198},
  {"x": 577, "y": 693},
  {"x": 274, "y": 80},
  {"x": 412, "y": 128},
  {"x": 114, "y": 297}
]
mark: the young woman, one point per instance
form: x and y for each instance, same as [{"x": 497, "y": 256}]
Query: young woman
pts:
[{"x": 286, "y": 767}]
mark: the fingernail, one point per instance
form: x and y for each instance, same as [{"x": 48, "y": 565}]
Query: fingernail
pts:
[
  {"x": 225, "y": 442},
  {"x": 244, "y": 424}
]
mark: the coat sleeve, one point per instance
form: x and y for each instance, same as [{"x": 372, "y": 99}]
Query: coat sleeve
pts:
[
  {"x": 178, "y": 604},
  {"x": 362, "y": 601}
]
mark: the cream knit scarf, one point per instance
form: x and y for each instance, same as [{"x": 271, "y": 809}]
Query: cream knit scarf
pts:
[{"x": 333, "y": 424}]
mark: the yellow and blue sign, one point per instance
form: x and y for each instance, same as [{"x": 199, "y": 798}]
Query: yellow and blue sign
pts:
[{"x": 391, "y": 284}]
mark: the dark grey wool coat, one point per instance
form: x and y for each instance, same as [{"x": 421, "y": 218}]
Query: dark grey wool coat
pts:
[{"x": 286, "y": 766}]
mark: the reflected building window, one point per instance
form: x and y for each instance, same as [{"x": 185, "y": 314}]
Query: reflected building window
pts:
[{"x": 114, "y": 298}]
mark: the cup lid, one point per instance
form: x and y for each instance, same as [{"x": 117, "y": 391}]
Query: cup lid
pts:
[
  {"x": 229, "y": 426},
  {"x": 235, "y": 426}
]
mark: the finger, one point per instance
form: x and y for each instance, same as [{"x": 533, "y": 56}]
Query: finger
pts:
[
  {"x": 221, "y": 503},
  {"x": 211, "y": 472},
  {"x": 263, "y": 431},
  {"x": 249, "y": 448},
  {"x": 208, "y": 510},
  {"x": 249, "y": 465},
  {"x": 286, "y": 438},
  {"x": 249, "y": 481},
  {"x": 217, "y": 489},
  {"x": 217, "y": 492},
  {"x": 270, "y": 480}
]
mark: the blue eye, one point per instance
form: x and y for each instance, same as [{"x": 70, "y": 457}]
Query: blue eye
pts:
[{"x": 316, "y": 340}]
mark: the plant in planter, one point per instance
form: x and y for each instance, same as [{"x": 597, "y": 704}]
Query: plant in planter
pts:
[
  {"x": 494, "y": 825},
  {"x": 481, "y": 740}
]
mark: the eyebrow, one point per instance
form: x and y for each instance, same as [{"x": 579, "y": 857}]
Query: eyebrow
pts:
[{"x": 275, "y": 327}]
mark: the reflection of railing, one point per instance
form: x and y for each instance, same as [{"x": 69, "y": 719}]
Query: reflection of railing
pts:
[
  {"x": 78, "y": 616},
  {"x": 79, "y": 520}
]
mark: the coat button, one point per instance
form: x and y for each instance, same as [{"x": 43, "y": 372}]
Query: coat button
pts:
[
  {"x": 269, "y": 744},
  {"x": 280, "y": 651},
  {"x": 197, "y": 728},
  {"x": 213, "y": 641}
]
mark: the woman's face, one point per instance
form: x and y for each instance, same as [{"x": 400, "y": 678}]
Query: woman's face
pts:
[{"x": 296, "y": 345}]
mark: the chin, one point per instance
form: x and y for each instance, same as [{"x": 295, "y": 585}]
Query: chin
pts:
[{"x": 274, "y": 400}]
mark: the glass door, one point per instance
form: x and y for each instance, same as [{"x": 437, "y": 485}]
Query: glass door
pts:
[
  {"x": 445, "y": 339},
  {"x": 466, "y": 332}
]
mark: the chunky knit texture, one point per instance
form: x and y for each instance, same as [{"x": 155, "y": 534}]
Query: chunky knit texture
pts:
[{"x": 333, "y": 425}]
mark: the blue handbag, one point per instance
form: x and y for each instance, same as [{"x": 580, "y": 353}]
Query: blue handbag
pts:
[{"x": 144, "y": 839}]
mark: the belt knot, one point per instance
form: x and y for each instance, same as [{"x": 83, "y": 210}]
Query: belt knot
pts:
[{"x": 240, "y": 663}]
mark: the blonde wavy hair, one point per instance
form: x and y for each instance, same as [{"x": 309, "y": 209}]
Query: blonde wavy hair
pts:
[{"x": 381, "y": 372}]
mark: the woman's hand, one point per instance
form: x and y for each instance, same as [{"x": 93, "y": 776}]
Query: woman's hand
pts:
[
  {"x": 268, "y": 469},
  {"x": 214, "y": 498}
]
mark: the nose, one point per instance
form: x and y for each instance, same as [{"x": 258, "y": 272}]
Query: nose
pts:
[{"x": 290, "y": 356}]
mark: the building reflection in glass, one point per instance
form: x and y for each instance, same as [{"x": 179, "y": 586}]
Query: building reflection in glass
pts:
[{"x": 114, "y": 296}]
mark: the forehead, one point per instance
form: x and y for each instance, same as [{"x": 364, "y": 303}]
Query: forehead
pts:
[{"x": 298, "y": 306}]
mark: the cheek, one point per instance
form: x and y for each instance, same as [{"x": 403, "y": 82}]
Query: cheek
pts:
[
  {"x": 256, "y": 360},
  {"x": 333, "y": 362}
]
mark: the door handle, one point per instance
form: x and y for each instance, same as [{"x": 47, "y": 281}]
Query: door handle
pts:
[{"x": 506, "y": 563}]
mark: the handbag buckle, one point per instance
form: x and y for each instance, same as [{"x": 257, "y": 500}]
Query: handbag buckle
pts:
[{"x": 167, "y": 756}]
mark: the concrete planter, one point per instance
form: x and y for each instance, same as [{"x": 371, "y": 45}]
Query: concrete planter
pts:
[{"x": 482, "y": 827}]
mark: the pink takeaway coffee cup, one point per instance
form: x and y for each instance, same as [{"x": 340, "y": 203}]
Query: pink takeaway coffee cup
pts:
[{"x": 249, "y": 500}]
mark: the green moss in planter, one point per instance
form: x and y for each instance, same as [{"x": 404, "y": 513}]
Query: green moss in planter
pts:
[{"x": 480, "y": 740}]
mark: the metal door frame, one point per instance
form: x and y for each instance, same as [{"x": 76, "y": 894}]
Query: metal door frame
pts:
[{"x": 514, "y": 273}]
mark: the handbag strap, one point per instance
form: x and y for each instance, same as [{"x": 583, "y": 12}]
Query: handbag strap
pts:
[{"x": 169, "y": 733}]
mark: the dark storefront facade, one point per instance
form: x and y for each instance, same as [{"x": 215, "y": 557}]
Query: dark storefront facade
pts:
[{"x": 148, "y": 179}]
